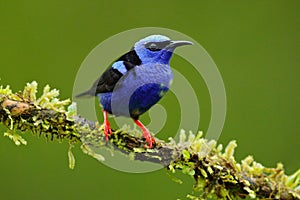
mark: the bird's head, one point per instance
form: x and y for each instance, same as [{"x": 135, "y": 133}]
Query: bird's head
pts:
[{"x": 157, "y": 48}]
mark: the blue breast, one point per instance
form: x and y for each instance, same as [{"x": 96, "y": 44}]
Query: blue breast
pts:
[{"x": 138, "y": 90}]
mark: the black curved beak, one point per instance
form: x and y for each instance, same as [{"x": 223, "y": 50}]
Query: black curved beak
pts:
[{"x": 178, "y": 43}]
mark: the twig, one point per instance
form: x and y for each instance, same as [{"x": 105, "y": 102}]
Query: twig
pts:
[{"x": 216, "y": 173}]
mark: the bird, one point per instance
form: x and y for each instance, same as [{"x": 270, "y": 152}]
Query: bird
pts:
[{"x": 136, "y": 81}]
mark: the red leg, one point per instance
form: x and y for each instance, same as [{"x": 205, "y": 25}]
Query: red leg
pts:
[
  {"x": 150, "y": 140},
  {"x": 107, "y": 129}
]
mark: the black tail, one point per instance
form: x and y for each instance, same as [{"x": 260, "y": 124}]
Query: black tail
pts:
[{"x": 88, "y": 93}]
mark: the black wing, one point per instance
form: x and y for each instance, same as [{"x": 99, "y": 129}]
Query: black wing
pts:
[{"x": 108, "y": 80}]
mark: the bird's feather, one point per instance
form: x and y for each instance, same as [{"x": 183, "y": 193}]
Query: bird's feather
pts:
[{"x": 108, "y": 80}]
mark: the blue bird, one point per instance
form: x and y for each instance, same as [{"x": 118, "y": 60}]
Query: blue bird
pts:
[{"x": 136, "y": 81}]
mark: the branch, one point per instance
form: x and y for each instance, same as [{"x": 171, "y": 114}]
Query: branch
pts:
[{"x": 215, "y": 171}]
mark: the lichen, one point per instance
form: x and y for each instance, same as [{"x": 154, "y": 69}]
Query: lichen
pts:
[
  {"x": 46, "y": 115},
  {"x": 216, "y": 173},
  {"x": 218, "y": 176},
  {"x": 18, "y": 140},
  {"x": 71, "y": 157}
]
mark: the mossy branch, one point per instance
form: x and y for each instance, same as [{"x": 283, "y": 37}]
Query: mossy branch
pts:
[{"x": 215, "y": 171}]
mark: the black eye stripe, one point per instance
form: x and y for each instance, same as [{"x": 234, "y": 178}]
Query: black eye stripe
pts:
[{"x": 157, "y": 46}]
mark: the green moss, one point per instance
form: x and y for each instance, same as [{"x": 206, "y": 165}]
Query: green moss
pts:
[
  {"x": 218, "y": 176},
  {"x": 16, "y": 138},
  {"x": 216, "y": 173},
  {"x": 46, "y": 115}
]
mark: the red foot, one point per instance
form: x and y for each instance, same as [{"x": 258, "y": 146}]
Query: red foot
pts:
[
  {"x": 150, "y": 140},
  {"x": 107, "y": 129}
]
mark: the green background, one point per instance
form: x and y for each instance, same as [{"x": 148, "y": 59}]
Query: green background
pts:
[{"x": 255, "y": 45}]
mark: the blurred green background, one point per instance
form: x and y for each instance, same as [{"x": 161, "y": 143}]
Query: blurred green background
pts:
[{"x": 255, "y": 45}]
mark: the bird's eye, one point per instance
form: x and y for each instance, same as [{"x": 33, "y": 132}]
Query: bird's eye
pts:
[{"x": 152, "y": 47}]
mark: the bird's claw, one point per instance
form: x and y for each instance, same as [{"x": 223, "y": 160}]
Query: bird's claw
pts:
[
  {"x": 146, "y": 134},
  {"x": 150, "y": 140}
]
